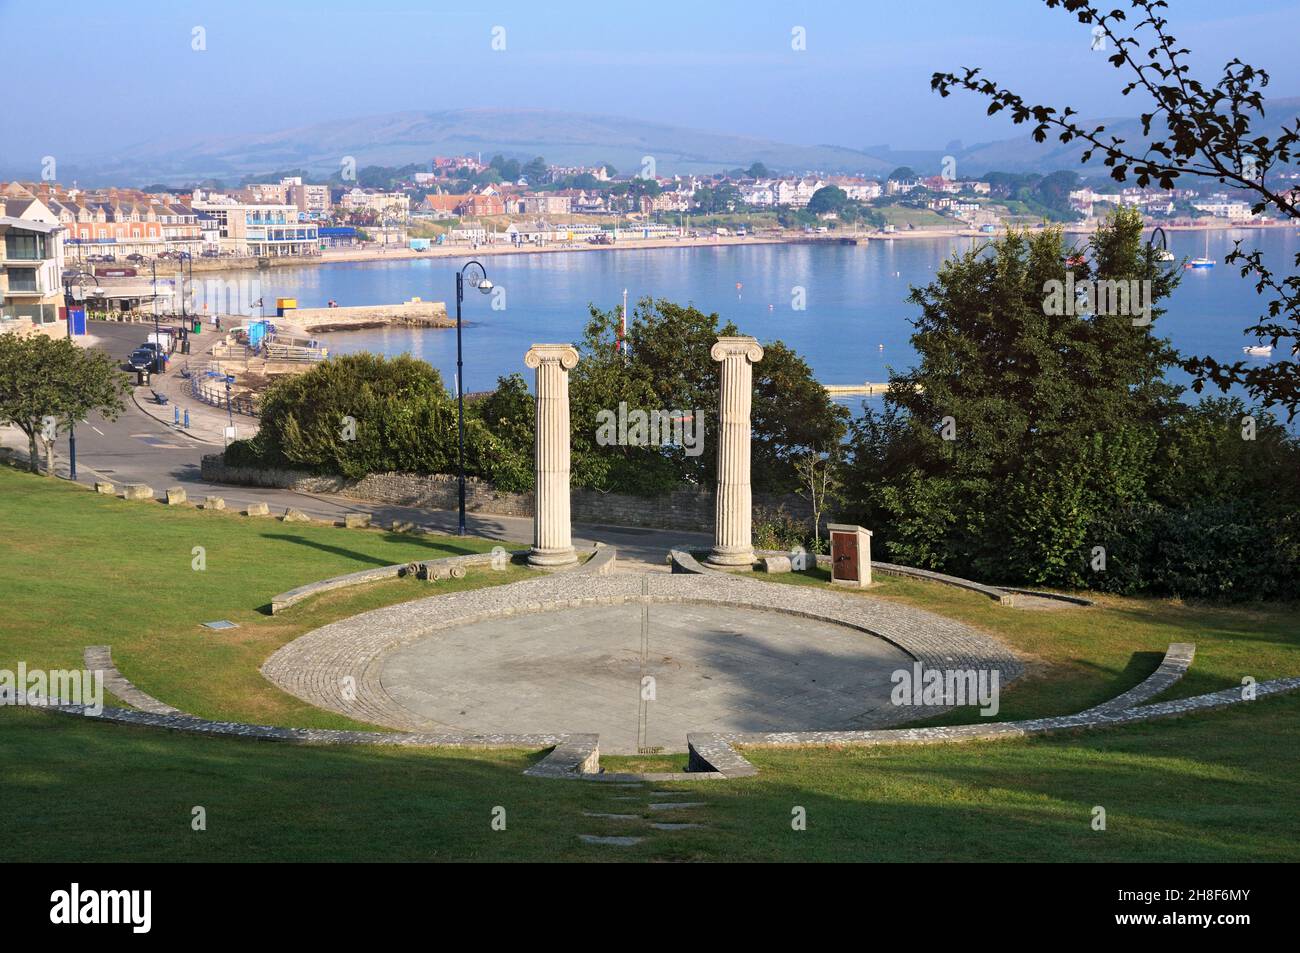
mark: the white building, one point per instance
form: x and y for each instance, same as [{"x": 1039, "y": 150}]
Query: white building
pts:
[{"x": 31, "y": 264}]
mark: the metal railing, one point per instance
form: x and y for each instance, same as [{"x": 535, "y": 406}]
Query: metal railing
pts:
[{"x": 215, "y": 394}]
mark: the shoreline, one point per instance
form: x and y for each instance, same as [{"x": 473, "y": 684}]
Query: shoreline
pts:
[{"x": 403, "y": 253}]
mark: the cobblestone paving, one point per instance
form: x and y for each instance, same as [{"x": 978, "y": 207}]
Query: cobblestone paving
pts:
[
  {"x": 339, "y": 666},
  {"x": 99, "y": 658}
]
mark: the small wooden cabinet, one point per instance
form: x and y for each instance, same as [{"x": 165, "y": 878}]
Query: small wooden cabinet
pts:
[{"x": 850, "y": 555}]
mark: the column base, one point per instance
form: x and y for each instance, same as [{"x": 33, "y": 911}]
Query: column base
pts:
[
  {"x": 742, "y": 561},
  {"x": 552, "y": 558}
]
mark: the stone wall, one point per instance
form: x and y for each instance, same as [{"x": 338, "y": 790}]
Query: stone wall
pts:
[{"x": 687, "y": 509}]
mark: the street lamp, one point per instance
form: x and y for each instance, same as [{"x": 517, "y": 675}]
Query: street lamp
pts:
[
  {"x": 485, "y": 286},
  {"x": 79, "y": 276}
]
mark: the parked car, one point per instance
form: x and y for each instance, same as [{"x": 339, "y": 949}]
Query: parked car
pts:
[
  {"x": 136, "y": 257},
  {"x": 142, "y": 358}
]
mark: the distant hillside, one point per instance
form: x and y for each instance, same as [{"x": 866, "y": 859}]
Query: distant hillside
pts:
[
  {"x": 1022, "y": 154},
  {"x": 402, "y": 138},
  {"x": 563, "y": 138}
]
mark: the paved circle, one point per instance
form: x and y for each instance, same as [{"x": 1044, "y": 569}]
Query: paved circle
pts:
[
  {"x": 344, "y": 666},
  {"x": 710, "y": 668}
]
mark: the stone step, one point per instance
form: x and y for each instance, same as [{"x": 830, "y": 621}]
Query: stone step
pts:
[
  {"x": 612, "y": 817},
  {"x": 609, "y": 841},
  {"x": 676, "y": 827},
  {"x": 674, "y": 805}
]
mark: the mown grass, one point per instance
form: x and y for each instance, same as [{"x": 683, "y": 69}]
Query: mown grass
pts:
[
  {"x": 80, "y": 569},
  {"x": 76, "y": 569}
]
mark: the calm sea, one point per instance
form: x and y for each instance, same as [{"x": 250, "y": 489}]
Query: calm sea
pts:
[{"x": 854, "y": 325}]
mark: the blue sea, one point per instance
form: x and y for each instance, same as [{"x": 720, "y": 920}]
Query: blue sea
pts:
[{"x": 854, "y": 326}]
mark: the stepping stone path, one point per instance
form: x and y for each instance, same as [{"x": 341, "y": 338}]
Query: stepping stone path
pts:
[
  {"x": 621, "y": 816},
  {"x": 610, "y": 841}
]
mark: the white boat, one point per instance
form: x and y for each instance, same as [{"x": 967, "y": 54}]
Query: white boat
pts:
[
  {"x": 1204, "y": 262},
  {"x": 1259, "y": 350},
  {"x": 1164, "y": 254}
]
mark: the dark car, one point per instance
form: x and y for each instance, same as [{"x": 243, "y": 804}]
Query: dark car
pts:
[
  {"x": 135, "y": 257},
  {"x": 142, "y": 358}
]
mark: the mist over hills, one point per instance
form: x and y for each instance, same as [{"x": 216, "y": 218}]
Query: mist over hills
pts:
[{"x": 563, "y": 138}]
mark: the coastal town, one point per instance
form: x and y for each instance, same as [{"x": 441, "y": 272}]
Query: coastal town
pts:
[
  {"x": 123, "y": 236},
  {"x": 593, "y": 434}
]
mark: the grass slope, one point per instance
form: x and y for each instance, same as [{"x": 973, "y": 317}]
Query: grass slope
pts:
[{"x": 76, "y": 569}]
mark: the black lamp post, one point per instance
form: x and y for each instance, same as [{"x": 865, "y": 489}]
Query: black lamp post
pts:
[
  {"x": 184, "y": 257},
  {"x": 79, "y": 277},
  {"x": 485, "y": 286}
]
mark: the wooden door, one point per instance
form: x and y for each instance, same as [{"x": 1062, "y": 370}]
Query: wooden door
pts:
[{"x": 844, "y": 556}]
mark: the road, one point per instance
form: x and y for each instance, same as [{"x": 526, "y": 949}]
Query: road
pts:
[{"x": 138, "y": 448}]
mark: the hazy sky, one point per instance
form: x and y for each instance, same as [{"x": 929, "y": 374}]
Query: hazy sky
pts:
[{"x": 87, "y": 78}]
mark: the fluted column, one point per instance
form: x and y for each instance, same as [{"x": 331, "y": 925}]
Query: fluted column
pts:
[
  {"x": 733, "y": 543},
  {"x": 552, "y": 533}
]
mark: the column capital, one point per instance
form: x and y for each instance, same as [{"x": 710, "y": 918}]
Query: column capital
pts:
[
  {"x": 743, "y": 346},
  {"x": 566, "y": 355}
]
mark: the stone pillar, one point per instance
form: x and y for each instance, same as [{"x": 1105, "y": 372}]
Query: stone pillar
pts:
[
  {"x": 552, "y": 533},
  {"x": 733, "y": 541}
]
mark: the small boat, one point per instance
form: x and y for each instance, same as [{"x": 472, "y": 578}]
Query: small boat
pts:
[
  {"x": 1204, "y": 262},
  {"x": 1074, "y": 261},
  {"x": 1164, "y": 254},
  {"x": 1259, "y": 350}
]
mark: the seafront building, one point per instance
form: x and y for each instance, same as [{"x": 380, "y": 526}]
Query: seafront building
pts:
[
  {"x": 31, "y": 265},
  {"x": 261, "y": 230}
]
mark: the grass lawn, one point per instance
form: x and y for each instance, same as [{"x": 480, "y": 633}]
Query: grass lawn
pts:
[{"x": 79, "y": 569}]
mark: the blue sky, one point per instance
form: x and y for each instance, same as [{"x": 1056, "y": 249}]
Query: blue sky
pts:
[{"x": 104, "y": 75}]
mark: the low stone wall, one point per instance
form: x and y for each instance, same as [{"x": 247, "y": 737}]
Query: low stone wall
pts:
[{"x": 686, "y": 509}]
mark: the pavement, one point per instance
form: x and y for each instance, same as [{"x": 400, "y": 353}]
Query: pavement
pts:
[
  {"x": 143, "y": 445},
  {"x": 713, "y": 668}
]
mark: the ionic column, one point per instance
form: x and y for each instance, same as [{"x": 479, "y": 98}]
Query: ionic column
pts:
[
  {"x": 733, "y": 543},
  {"x": 552, "y": 534}
]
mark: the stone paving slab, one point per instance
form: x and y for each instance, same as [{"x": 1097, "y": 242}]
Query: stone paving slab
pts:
[
  {"x": 99, "y": 658},
  {"x": 340, "y": 666}
]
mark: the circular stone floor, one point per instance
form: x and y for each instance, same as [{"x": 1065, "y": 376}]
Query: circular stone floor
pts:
[
  {"x": 714, "y": 668},
  {"x": 563, "y": 653}
]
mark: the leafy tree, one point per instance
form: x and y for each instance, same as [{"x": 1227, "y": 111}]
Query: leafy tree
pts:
[
  {"x": 669, "y": 367},
  {"x": 830, "y": 198},
  {"x": 758, "y": 171},
  {"x": 903, "y": 174},
  {"x": 508, "y": 169},
  {"x": 535, "y": 171},
  {"x": 46, "y": 384},
  {"x": 362, "y": 413},
  {"x": 1021, "y": 424},
  {"x": 1192, "y": 129}
]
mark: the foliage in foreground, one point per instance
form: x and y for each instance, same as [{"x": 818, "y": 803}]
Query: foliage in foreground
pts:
[{"x": 1028, "y": 446}]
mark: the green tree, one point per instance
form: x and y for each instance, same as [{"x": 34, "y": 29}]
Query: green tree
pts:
[
  {"x": 903, "y": 174},
  {"x": 830, "y": 198},
  {"x": 535, "y": 171},
  {"x": 1023, "y": 424},
  {"x": 362, "y": 413},
  {"x": 46, "y": 384},
  {"x": 1194, "y": 129}
]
